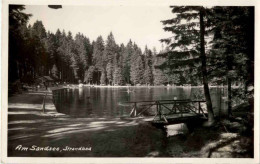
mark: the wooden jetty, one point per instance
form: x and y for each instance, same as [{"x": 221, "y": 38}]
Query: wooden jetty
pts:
[{"x": 169, "y": 111}]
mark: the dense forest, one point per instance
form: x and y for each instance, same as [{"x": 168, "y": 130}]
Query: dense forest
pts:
[{"x": 35, "y": 52}]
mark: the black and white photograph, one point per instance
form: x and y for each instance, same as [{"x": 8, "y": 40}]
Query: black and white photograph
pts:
[{"x": 132, "y": 81}]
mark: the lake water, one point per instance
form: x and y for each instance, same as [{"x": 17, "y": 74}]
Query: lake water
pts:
[{"x": 110, "y": 102}]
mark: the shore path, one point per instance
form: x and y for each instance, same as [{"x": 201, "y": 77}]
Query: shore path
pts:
[{"x": 29, "y": 126}]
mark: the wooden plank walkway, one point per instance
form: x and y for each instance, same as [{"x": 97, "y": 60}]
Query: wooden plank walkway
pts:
[{"x": 169, "y": 111}]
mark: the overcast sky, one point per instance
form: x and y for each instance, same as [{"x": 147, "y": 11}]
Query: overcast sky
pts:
[{"x": 141, "y": 24}]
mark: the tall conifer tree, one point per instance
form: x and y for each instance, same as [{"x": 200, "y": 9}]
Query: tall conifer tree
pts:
[
  {"x": 188, "y": 45},
  {"x": 232, "y": 52}
]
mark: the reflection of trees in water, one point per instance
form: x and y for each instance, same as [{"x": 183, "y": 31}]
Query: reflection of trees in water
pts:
[
  {"x": 60, "y": 101},
  {"x": 105, "y": 102},
  {"x": 74, "y": 107},
  {"x": 150, "y": 94},
  {"x": 72, "y": 102},
  {"x": 81, "y": 94},
  {"x": 186, "y": 92},
  {"x": 217, "y": 94},
  {"x": 84, "y": 104},
  {"x": 88, "y": 107},
  {"x": 197, "y": 94},
  {"x": 101, "y": 109},
  {"x": 69, "y": 99},
  {"x": 114, "y": 100}
]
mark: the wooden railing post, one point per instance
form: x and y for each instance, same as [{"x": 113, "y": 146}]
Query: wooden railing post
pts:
[
  {"x": 135, "y": 106},
  {"x": 175, "y": 107},
  {"x": 199, "y": 107},
  {"x": 43, "y": 103},
  {"x": 181, "y": 111},
  {"x": 133, "y": 112},
  {"x": 160, "y": 117}
]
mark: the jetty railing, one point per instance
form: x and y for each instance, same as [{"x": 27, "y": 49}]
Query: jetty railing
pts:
[{"x": 174, "y": 107}]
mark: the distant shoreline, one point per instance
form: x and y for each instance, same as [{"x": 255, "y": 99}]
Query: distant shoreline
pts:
[{"x": 107, "y": 86}]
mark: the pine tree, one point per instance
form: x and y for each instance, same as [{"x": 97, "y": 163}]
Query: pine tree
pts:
[
  {"x": 187, "y": 50},
  {"x": 98, "y": 53},
  {"x": 17, "y": 42},
  {"x": 109, "y": 54},
  {"x": 50, "y": 49},
  {"x": 137, "y": 67},
  {"x": 82, "y": 56},
  {"x": 103, "y": 78},
  {"x": 232, "y": 51},
  {"x": 118, "y": 76},
  {"x": 58, "y": 54},
  {"x": 148, "y": 73},
  {"x": 109, "y": 72},
  {"x": 89, "y": 50},
  {"x": 160, "y": 77},
  {"x": 110, "y": 48},
  {"x": 89, "y": 74},
  {"x": 69, "y": 53},
  {"x": 127, "y": 54},
  {"x": 38, "y": 38},
  {"x": 62, "y": 54},
  {"x": 39, "y": 30}
]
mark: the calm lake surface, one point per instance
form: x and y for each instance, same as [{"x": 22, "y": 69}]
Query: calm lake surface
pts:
[{"x": 110, "y": 102}]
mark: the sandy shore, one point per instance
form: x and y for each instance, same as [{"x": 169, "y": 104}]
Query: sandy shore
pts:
[{"x": 29, "y": 126}]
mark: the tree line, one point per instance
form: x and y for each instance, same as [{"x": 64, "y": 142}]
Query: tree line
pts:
[{"x": 35, "y": 52}]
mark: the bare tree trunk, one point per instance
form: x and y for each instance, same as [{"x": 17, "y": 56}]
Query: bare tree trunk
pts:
[{"x": 204, "y": 69}]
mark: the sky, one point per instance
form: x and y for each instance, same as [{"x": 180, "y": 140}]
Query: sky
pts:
[{"x": 141, "y": 24}]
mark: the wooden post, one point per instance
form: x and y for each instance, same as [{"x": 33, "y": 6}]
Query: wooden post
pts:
[
  {"x": 160, "y": 117},
  {"x": 199, "y": 107},
  {"x": 133, "y": 112},
  {"x": 174, "y": 107},
  {"x": 135, "y": 109},
  {"x": 43, "y": 103},
  {"x": 220, "y": 100},
  {"x": 165, "y": 119},
  {"x": 181, "y": 111},
  {"x": 157, "y": 108}
]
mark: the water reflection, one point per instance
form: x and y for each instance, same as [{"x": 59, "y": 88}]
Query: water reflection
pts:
[
  {"x": 80, "y": 93},
  {"x": 109, "y": 102}
]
